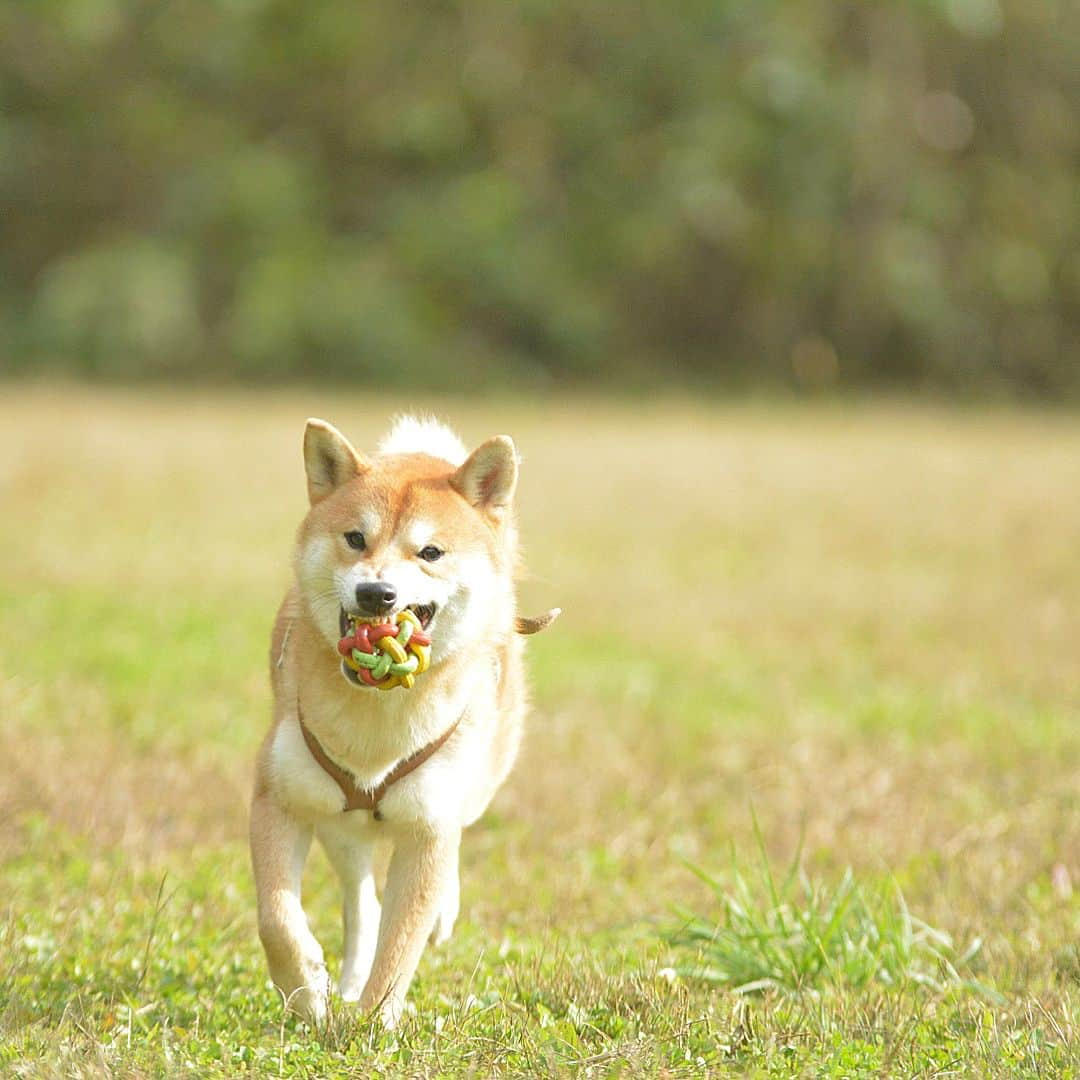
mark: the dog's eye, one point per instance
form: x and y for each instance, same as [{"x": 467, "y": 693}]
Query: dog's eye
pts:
[
  {"x": 356, "y": 540},
  {"x": 430, "y": 553}
]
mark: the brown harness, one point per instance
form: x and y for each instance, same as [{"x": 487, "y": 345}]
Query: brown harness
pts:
[{"x": 356, "y": 797}]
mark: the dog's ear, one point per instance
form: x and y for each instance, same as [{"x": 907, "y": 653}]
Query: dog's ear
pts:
[
  {"x": 329, "y": 459},
  {"x": 488, "y": 477}
]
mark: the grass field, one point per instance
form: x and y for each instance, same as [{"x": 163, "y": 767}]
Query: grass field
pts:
[{"x": 858, "y": 626}]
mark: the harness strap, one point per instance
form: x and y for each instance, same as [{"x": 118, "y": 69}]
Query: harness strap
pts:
[{"x": 356, "y": 797}]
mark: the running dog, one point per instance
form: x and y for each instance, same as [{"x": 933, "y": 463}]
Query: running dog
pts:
[{"x": 421, "y": 525}]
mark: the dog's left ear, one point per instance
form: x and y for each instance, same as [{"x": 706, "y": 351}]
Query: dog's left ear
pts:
[{"x": 488, "y": 478}]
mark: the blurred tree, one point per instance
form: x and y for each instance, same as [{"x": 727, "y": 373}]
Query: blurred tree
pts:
[{"x": 731, "y": 191}]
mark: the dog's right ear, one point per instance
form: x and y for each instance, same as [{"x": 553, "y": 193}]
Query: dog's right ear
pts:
[{"x": 329, "y": 459}]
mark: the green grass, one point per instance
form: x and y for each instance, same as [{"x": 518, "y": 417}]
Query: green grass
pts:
[
  {"x": 865, "y": 626},
  {"x": 798, "y": 935}
]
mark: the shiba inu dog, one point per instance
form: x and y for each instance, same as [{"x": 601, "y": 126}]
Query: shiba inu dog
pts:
[{"x": 420, "y": 526}]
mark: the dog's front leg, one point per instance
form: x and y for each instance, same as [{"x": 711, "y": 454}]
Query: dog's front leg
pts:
[
  {"x": 279, "y": 847},
  {"x": 422, "y": 865}
]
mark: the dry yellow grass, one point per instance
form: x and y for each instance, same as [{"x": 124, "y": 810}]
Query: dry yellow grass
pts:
[{"x": 864, "y": 621}]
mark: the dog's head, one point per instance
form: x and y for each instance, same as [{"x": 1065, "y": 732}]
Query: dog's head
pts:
[{"x": 408, "y": 528}]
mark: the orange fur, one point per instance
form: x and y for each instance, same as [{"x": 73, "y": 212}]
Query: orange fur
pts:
[{"x": 402, "y": 501}]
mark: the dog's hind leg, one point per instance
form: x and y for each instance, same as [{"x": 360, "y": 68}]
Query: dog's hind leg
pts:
[
  {"x": 449, "y": 906},
  {"x": 352, "y": 853}
]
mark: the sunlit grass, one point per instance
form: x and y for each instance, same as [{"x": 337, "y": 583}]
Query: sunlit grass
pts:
[
  {"x": 866, "y": 625},
  {"x": 794, "y": 933}
]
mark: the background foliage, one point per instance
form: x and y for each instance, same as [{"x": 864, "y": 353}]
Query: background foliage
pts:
[{"x": 735, "y": 191}]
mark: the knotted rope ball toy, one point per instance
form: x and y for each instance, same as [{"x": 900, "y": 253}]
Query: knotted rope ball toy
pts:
[{"x": 386, "y": 654}]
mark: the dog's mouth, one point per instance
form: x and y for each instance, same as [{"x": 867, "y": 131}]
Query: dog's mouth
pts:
[{"x": 424, "y": 613}]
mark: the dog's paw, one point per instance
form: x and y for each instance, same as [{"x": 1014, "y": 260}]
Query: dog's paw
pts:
[
  {"x": 446, "y": 917},
  {"x": 393, "y": 1010},
  {"x": 443, "y": 928},
  {"x": 311, "y": 1000},
  {"x": 387, "y": 1008},
  {"x": 355, "y": 969}
]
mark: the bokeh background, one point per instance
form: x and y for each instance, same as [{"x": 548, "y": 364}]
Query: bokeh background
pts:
[
  {"x": 822, "y": 193},
  {"x": 781, "y": 303}
]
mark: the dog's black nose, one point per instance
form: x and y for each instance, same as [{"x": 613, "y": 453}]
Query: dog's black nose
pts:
[{"x": 375, "y": 597}]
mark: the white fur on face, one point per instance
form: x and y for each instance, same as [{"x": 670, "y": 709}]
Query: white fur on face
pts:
[
  {"x": 464, "y": 594},
  {"x": 418, "y": 534},
  {"x": 468, "y": 609},
  {"x": 458, "y": 596},
  {"x": 412, "y": 584},
  {"x": 318, "y": 584}
]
